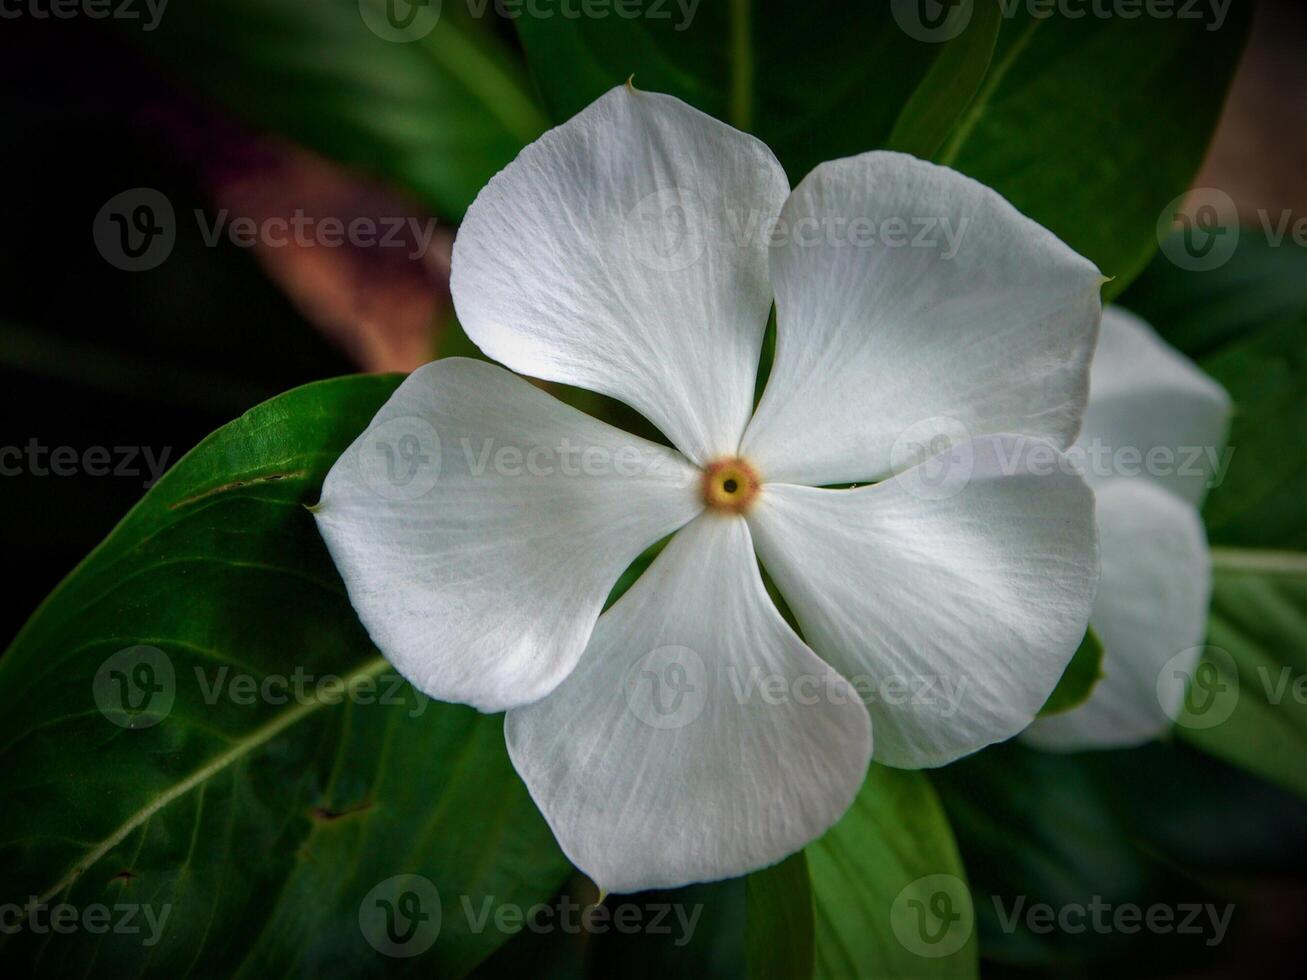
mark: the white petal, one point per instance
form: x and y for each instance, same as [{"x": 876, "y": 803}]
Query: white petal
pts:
[
  {"x": 954, "y": 606},
  {"x": 1151, "y": 411},
  {"x": 984, "y": 326},
  {"x": 698, "y": 738},
  {"x": 1151, "y": 607},
  {"x": 480, "y": 523},
  {"x": 625, "y": 252}
]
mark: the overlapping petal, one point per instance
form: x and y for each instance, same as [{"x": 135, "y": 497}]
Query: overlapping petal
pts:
[
  {"x": 1151, "y": 411},
  {"x": 953, "y": 603},
  {"x": 479, "y": 524},
  {"x": 625, "y": 251},
  {"x": 910, "y": 296},
  {"x": 698, "y": 738},
  {"x": 1152, "y": 443},
  {"x": 1151, "y": 607}
]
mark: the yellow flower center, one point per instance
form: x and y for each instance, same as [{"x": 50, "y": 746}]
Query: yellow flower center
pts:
[{"x": 730, "y": 485}]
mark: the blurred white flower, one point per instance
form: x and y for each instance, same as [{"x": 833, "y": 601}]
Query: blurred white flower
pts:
[
  {"x": 689, "y": 733},
  {"x": 1150, "y": 447}
]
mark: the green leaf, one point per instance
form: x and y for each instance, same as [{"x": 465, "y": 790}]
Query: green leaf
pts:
[
  {"x": 1082, "y": 124},
  {"x": 1248, "y": 703},
  {"x": 173, "y": 733},
  {"x": 814, "y": 81},
  {"x": 948, "y": 87},
  {"x": 1034, "y": 829},
  {"x": 1083, "y": 672},
  {"x": 888, "y": 887},
  {"x": 779, "y": 939},
  {"x": 440, "y": 114},
  {"x": 1245, "y": 323}
]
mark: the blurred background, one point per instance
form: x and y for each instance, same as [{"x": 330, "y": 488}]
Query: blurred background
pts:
[{"x": 108, "y": 375}]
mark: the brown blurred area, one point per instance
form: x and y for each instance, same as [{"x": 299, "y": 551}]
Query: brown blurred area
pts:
[
  {"x": 384, "y": 308},
  {"x": 381, "y": 304},
  {"x": 1259, "y": 153}
]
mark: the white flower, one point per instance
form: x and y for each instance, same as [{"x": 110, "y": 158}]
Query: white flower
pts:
[
  {"x": 688, "y": 733},
  {"x": 1150, "y": 447}
]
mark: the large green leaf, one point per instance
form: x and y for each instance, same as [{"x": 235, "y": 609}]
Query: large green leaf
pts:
[
  {"x": 439, "y": 114},
  {"x": 1033, "y": 829},
  {"x": 1093, "y": 125},
  {"x": 1248, "y": 704},
  {"x": 890, "y": 895},
  {"x": 779, "y": 928},
  {"x": 1245, "y": 323},
  {"x": 269, "y": 825},
  {"x": 815, "y": 81}
]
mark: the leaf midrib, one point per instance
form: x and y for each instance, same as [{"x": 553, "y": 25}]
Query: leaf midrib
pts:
[{"x": 200, "y": 776}]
